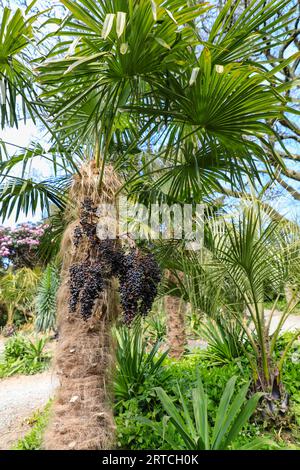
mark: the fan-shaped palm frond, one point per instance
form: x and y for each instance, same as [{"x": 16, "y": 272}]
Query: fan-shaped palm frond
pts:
[
  {"x": 193, "y": 171},
  {"x": 124, "y": 45},
  {"x": 260, "y": 23},
  {"x": 228, "y": 105},
  {"x": 21, "y": 195},
  {"x": 16, "y": 78}
]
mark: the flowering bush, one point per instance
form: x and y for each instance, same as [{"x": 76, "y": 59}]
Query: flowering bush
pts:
[{"x": 18, "y": 245}]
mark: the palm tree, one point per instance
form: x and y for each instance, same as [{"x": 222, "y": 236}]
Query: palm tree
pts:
[
  {"x": 127, "y": 76},
  {"x": 247, "y": 257}
]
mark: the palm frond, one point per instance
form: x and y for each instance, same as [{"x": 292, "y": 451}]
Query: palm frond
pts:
[
  {"x": 21, "y": 195},
  {"x": 16, "y": 78},
  {"x": 241, "y": 38}
]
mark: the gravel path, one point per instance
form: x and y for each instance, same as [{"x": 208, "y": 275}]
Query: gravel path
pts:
[
  {"x": 292, "y": 323},
  {"x": 20, "y": 396},
  {"x": 2, "y": 345}
]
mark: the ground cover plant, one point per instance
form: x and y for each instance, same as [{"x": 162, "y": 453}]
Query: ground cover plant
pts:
[
  {"x": 134, "y": 416},
  {"x": 134, "y": 412},
  {"x": 33, "y": 440}
]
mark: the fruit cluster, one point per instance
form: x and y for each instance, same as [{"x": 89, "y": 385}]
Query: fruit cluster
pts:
[
  {"x": 87, "y": 214},
  {"x": 138, "y": 273},
  {"x": 139, "y": 278}
]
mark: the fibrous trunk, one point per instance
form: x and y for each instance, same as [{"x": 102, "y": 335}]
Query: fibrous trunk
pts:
[
  {"x": 99, "y": 277},
  {"x": 82, "y": 415},
  {"x": 175, "y": 317},
  {"x": 176, "y": 337}
]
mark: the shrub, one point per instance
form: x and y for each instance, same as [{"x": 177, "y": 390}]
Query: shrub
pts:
[
  {"x": 22, "y": 356},
  {"x": 135, "y": 366},
  {"x": 19, "y": 245},
  {"x": 134, "y": 434},
  {"x": 46, "y": 299}
]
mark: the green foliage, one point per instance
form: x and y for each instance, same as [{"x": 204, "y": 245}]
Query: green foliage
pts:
[
  {"x": 33, "y": 439},
  {"x": 135, "y": 434},
  {"x": 155, "y": 324},
  {"x": 17, "y": 291},
  {"x": 244, "y": 257},
  {"x": 134, "y": 364},
  {"x": 16, "y": 33},
  {"x": 23, "y": 356},
  {"x": 225, "y": 338},
  {"x": 232, "y": 415},
  {"x": 46, "y": 299},
  {"x": 113, "y": 61},
  {"x": 291, "y": 368}
]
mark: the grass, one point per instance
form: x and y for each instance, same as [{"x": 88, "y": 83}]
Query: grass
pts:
[{"x": 34, "y": 438}]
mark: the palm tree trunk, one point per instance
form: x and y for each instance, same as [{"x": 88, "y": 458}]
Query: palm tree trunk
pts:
[
  {"x": 10, "y": 315},
  {"x": 82, "y": 416},
  {"x": 82, "y": 412},
  {"x": 175, "y": 318}
]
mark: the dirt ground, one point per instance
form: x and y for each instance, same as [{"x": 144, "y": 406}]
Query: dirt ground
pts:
[{"x": 20, "y": 397}]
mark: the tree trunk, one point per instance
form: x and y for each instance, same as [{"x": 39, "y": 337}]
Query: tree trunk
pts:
[
  {"x": 176, "y": 337},
  {"x": 82, "y": 416},
  {"x": 82, "y": 412},
  {"x": 10, "y": 316}
]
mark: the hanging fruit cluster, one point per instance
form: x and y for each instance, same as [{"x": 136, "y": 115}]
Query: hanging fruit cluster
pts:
[{"x": 138, "y": 273}]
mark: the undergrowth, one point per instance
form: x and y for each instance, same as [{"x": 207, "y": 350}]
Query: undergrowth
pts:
[
  {"x": 23, "y": 356},
  {"x": 34, "y": 438}
]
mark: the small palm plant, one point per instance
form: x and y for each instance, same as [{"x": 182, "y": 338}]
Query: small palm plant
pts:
[
  {"x": 135, "y": 365},
  {"x": 251, "y": 254},
  {"x": 225, "y": 338}
]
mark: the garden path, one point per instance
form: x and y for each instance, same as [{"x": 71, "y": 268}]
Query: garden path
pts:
[
  {"x": 291, "y": 324},
  {"x": 20, "y": 396}
]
